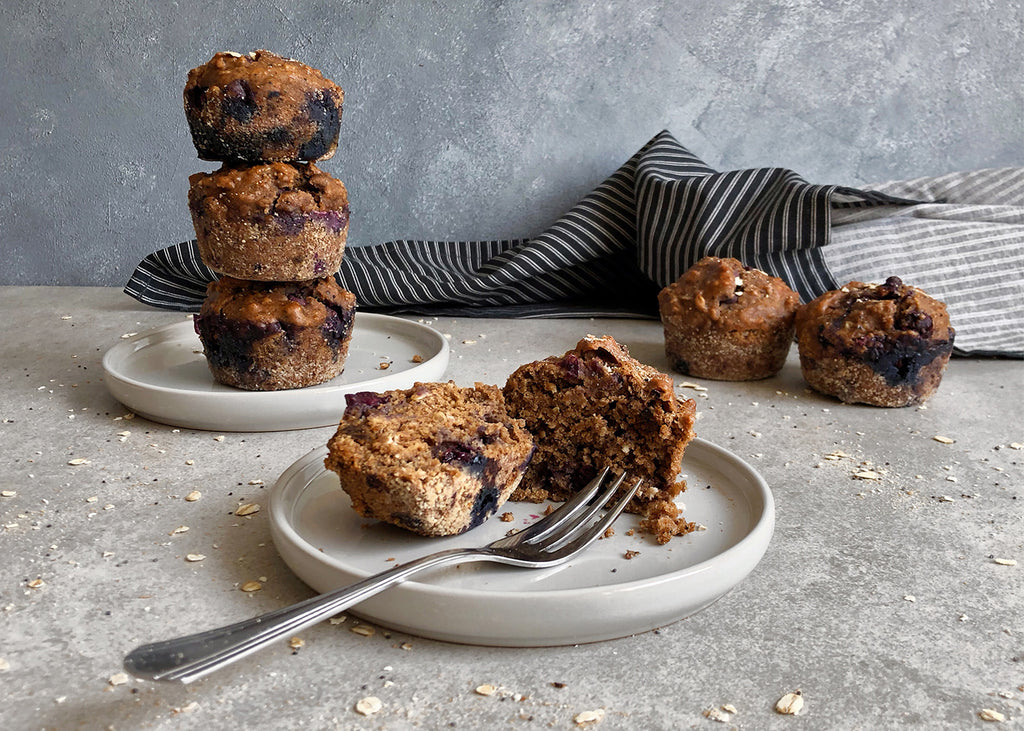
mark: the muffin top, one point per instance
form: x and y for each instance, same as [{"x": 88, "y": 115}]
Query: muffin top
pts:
[
  {"x": 723, "y": 294},
  {"x": 299, "y": 304},
  {"x": 860, "y": 318},
  {"x": 281, "y": 188}
]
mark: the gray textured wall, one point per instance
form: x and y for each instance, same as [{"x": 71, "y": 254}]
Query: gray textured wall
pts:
[{"x": 485, "y": 119}]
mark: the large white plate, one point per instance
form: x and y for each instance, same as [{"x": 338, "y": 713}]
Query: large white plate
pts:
[
  {"x": 600, "y": 595},
  {"x": 162, "y": 375}
]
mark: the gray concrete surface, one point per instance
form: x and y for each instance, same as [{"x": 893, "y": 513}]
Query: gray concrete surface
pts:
[
  {"x": 881, "y": 600},
  {"x": 476, "y": 120}
]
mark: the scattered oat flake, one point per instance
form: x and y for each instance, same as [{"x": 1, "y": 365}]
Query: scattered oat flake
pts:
[
  {"x": 943, "y": 440},
  {"x": 188, "y": 708},
  {"x": 945, "y": 499},
  {"x": 1016, "y": 445},
  {"x": 193, "y": 557},
  {"x": 92, "y": 499},
  {"x": 363, "y": 629},
  {"x": 8, "y": 493},
  {"x": 193, "y": 496},
  {"x": 219, "y": 438},
  {"x": 4, "y": 665},
  {"x": 790, "y": 704},
  {"x": 257, "y": 481},
  {"x": 179, "y": 529},
  {"x": 469, "y": 342},
  {"x": 586, "y": 718},
  {"x": 296, "y": 643},
  {"x": 251, "y": 586},
  {"x": 910, "y": 598},
  {"x": 247, "y": 509},
  {"x": 338, "y": 620},
  {"x": 486, "y": 689},
  {"x": 384, "y": 365},
  {"x": 717, "y": 714},
  {"x": 79, "y": 460},
  {"x": 369, "y": 705},
  {"x": 405, "y": 646},
  {"x": 729, "y": 708},
  {"x": 867, "y": 475},
  {"x": 990, "y": 714},
  {"x": 1005, "y": 561},
  {"x": 694, "y": 386},
  {"x": 629, "y": 555},
  {"x": 118, "y": 679},
  {"x": 36, "y": 584}
]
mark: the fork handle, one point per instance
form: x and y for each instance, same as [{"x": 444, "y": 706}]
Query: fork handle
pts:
[{"x": 187, "y": 658}]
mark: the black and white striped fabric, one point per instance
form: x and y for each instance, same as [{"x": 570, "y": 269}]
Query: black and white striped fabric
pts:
[{"x": 663, "y": 210}]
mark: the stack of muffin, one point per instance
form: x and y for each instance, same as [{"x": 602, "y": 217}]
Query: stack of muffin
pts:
[{"x": 269, "y": 221}]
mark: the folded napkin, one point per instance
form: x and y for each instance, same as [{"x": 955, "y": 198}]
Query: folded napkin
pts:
[{"x": 959, "y": 237}]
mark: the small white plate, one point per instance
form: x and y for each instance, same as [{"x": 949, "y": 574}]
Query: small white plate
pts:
[
  {"x": 162, "y": 375},
  {"x": 598, "y": 596}
]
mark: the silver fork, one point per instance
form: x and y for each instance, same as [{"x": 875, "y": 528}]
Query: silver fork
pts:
[{"x": 552, "y": 540}]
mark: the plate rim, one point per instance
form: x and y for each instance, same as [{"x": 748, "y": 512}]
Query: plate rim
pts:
[
  {"x": 127, "y": 345},
  {"x": 760, "y": 533},
  {"x": 196, "y": 405}
]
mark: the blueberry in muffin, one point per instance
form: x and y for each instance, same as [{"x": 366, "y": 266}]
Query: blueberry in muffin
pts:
[
  {"x": 434, "y": 459},
  {"x": 270, "y": 336},
  {"x": 260, "y": 107},
  {"x": 879, "y": 344},
  {"x": 270, "y": 222}
]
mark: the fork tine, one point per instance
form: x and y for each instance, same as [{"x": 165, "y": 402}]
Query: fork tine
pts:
[
  {"x": 581, "y": 541},
  {"x": 564, "y": 512},
  {"x": 580, "y": 514}
]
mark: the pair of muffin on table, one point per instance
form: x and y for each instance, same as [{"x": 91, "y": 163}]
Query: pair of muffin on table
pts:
[
  {"x": 271, "y": 222},
  {"x": 879, "y": 344}
]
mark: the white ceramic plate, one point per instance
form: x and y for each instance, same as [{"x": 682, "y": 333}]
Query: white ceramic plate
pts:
[
  {"x": 162, "y": 375},
  {"x": 598, "y": 596}
]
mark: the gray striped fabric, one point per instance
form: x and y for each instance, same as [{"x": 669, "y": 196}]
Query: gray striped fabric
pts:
[
  {"x": 966, "y": 248},
  {"x": 664, "y": 209}
]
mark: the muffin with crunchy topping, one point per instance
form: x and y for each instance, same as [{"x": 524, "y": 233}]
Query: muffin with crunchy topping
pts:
[
  {"x": 728, "y": 322},
  {"x": 270, "y": 222},
  {"x": 260, "y": 106},
  {"x": 879, "y": 344}
]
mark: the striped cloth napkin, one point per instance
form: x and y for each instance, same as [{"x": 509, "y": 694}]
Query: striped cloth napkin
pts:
[{"x": 959, "y": 237}]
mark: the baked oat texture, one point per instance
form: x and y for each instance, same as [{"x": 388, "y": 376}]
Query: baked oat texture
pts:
[
  {"x": 435, "y": 459},
  {"x": 597, "y": 406},
  {"x": 878, "y": 344},
  {"x": 261, "y": 106},
  {"x": 271, "y": 336},
  {"x": 728, "y": 322},
  {"x": 270, "y": 222}
]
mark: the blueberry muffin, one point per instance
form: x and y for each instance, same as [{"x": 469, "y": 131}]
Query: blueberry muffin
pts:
[
  {"x": 880, "y": 344},
  {"x": 435, "y": 459},
  {"x": 260, "y": 107},
  {"x": 269, "y": 336},
  {"x": 727, "y": 321},
  {"x": 597, "y": 406},
  {"x": 273, "y": 222}
]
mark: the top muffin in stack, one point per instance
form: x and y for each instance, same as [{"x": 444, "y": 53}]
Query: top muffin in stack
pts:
[{"x": 269, "y": 216}]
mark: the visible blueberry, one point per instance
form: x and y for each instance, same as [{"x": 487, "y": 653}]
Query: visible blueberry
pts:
[
  {"x": 297, "y": 297},
  {"x": 239, "y": 101},
  {"x": 571, "y": 364},
  {"x": 364, "y": 400},
  {"x": 326, "y": 117},
  {"x": 484, "y": 506},
  {"x": 333, "y": 221},
  {"x": 229, "y": 343},
  {"x": 447, "y": 452},
  {"x": 290, "y": 223},
  {"x": 918, "y": 321}
]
